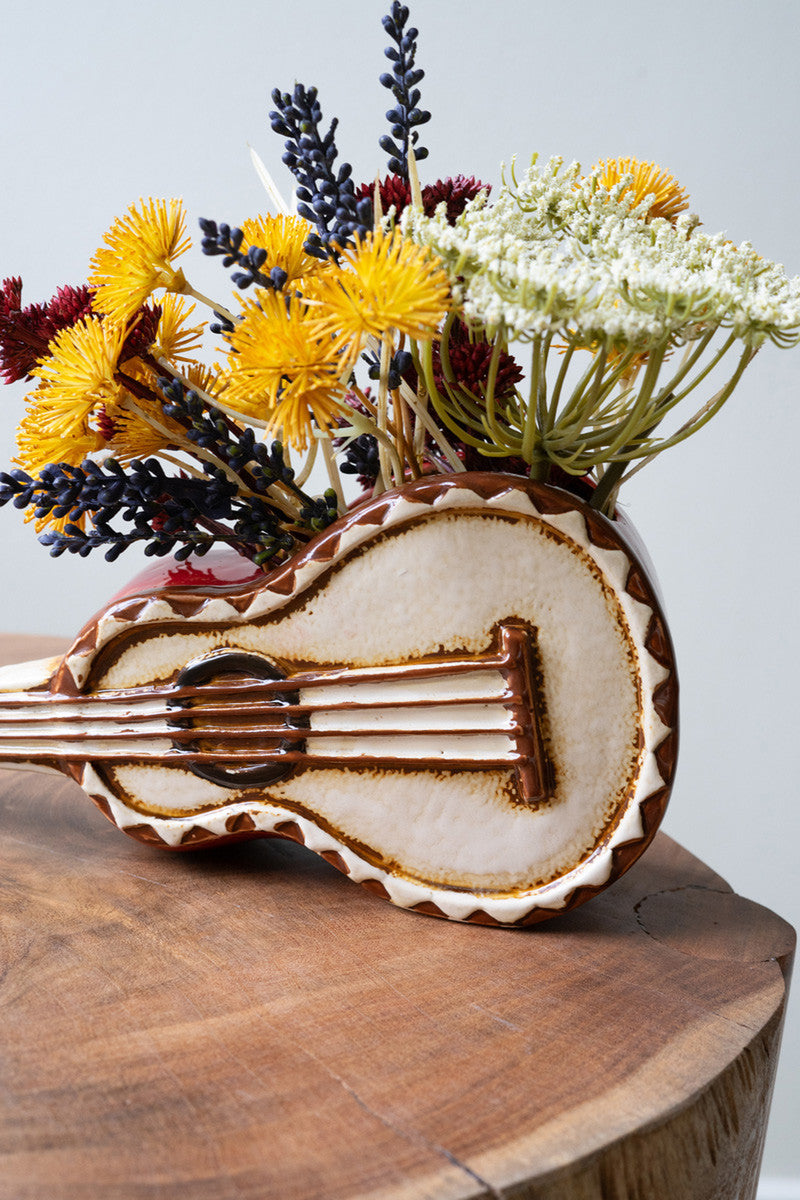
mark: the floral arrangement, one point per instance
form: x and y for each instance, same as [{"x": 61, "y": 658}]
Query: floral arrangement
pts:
[{"x": 388, "y": 330}]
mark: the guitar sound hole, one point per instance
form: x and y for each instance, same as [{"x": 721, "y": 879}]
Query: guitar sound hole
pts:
[{"x": 227, "y": 722}]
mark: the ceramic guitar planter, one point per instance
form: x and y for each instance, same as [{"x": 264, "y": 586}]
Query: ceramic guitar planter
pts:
[{"x": 462, "y": 694}]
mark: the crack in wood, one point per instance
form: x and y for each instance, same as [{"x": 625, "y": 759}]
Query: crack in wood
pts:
[{"x": 413, "y": 1136}]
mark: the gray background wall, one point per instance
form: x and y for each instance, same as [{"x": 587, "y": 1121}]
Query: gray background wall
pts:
[{"x": 103, "y": 103}]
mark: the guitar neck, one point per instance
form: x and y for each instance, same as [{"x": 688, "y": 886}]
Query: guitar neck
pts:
[{"x": 475, "y": 712}]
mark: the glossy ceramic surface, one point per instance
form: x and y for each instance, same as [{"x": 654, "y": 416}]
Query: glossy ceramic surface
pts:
[{"x": 463, "y": 694}]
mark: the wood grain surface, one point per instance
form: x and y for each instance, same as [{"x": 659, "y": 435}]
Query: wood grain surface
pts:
[{"x": 245, "y": 1023}]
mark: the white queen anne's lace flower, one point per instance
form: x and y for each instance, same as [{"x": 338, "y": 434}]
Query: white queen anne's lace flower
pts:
[
  {"x": 559, "y": 254},
  {"x": 573, "y": 262}
]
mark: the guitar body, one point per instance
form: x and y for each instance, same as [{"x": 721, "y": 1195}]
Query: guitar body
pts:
[{"x": 462, "y": 694}]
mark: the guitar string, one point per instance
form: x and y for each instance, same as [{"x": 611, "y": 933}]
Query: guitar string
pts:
[
  {"x": 178, "y": 711},
  {"x": 327, "y": 677},
  {"x": 253, "y": 734},
  {"x": 14, "y": 714}
]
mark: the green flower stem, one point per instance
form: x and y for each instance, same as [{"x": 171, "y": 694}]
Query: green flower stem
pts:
[
  {"x": 593, "y": 434},
  {"x": 490, "y": 417},
  {"x": 529, "y": 430},
  {"x": 304, "y": 472},
  {"x": 601, "y": 420},
  {"x": 687, "y": 363},
  {"x": 604, "y": 495},
  {"x": 541, "y": 391},
  {"x": 482, "y": 419},
  {"x": 423, "y": 363},
  {"x": 471, "y": 404},
  {"x": 219, "y": 309},
  {"x": 663, "y": 404},
  {"x": 383, "y": 413},
  {"x": 592, "y": 414},
  {"x": 444, "y": 347},
  {"x": 639, "y": 415},
  {"x": 333, "y": 473},
  {"x": 467, "y": 409},
  {"x": 566, "y": 359},
  {"x": 717, "y": 358},
  {"x": 484, "y": 414},
  {"x": 540, "y": 468},
  {"x": 709, "y": 409},
  {"x": 576, "y": 399},
  {"x": 616, "y": 474},
  {"x": 596, "y": 391}
]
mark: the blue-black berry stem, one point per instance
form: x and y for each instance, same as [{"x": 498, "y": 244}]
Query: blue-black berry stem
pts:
[
  {"x": 325, "y": 195},
  {"x": 370, "y": 427},
  {"x": 163, "y": 365},
  {"x": 284, "y": 478},
  {"x": 204, "y": 453},
  {"x": 406, "y": 115},
  {"x": 259, "y": 469},
  {"x": 208, "y": 434},
  {"x": 222, "y": 239}
]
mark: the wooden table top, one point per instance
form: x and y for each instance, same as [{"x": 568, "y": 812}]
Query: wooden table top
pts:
[{"x": 245, "y": 1022}]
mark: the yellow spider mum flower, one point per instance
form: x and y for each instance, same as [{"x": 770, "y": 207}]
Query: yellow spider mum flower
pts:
[
  {"x": 134, "y": 437},
  {"x": 77, "y": 378},
  {"x": 38, "y": 444},
  {"x": 649, "y": 179},
  {"x": 175, "y": 339},
  {"x": 384, "y": 282},
  {"x": 78, "y": 375},
  {"x": 129, "y": 436},
  {"x": 284, "y": 368},
  {"x": 202, "y": 377},
  {"x": 283, "y": 239},
  {"x": 137, "y": 257}
]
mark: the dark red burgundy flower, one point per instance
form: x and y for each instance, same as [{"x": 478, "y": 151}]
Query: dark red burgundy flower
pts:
[
  {"x": 69, "y": 305},
  {"x": 470, "y": 361},
  {"x": 142, "y": 334},
  {"x": 394, "y": 192},
  {"x": 10, "y": 296},
  {"x": 475, "y": 461},
  {"x": 26, "y": 332},
  {"x": 455, "y": 192},
  {"x": 105, "y": 425}
]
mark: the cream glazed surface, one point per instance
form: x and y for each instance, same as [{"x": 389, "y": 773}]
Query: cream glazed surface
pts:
[{"x": 468, "y": 700}]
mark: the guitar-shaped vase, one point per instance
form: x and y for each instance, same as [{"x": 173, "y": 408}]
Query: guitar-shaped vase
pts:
[{"x": 462, "y": 694}]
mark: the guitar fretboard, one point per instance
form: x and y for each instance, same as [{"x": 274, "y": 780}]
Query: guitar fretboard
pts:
[{"x": 476, "y": 712}]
